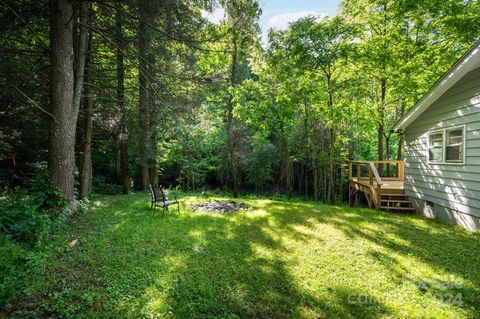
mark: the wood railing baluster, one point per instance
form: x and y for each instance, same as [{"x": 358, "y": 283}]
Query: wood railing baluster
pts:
[{"x": 374, "y": 185}]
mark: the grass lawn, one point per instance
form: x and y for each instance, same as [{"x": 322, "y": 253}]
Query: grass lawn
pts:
[{"x": 278, "y": 260}]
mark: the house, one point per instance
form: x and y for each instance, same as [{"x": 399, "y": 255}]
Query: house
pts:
[{"x": 442, "y": 146}]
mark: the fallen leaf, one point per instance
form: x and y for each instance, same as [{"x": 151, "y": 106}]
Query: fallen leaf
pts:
[
  {"x": 97, "y": 305},
  {"x": 74, "y": 243}
]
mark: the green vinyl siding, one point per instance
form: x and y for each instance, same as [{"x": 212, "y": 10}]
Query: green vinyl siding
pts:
[{"x": 454, "y": 187}]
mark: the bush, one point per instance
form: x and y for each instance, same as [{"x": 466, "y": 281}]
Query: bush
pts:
[
  {"x": 23, "y": 232},
  {"x": 21, "y": 221},
  {"x": 47, "y": 198},
  {"x": 101, "y": 186},
  {"x": 26, "y": 221},
  {"x": 17, "y": 265},
  {"x": 12, "y": 262}
]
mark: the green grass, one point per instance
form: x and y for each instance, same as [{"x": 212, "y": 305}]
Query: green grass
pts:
[{"x": 278, "y": 260}]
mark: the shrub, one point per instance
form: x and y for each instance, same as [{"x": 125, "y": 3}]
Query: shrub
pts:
[
  {"x": 12, "y": 262},
  {"x": 101, "y": 186},
  {"x": 21, "y": 221},
  {"x": 47, "y": 198},
  {"x": 26, "y": 220}
]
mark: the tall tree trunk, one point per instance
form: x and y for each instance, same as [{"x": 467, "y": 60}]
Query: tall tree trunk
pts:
[
  {"x": 400, "y": 148},
  {"x": 387, "y": 154},
  {"x": 331, "y": 146},
  {"x": 118, "y": 168},
  {"x": 63, "y": 98},
  {"x": 147, "y": 106},
  {"x": 286, "y": 176},
  {"x": 401, "y": 139},
  {"x": 153, "y": 147},
  {"x": 315, "y": 181},
  {"x": 83, "y": 49},
  {"x": 231, "y": 156},
  {"x": 144, "y": 43},
  {"x": 387, "y": 147},
  {"x": 331, "y": 172},
  {"x": 122, "y": 129},
  {"x": 86, "y": 169},
  {"x": 81, "y": 54},
  {"x": 306, "y": 180},
  {"x": 381, "y": 121},
  {"x": 86, "y": 155}
]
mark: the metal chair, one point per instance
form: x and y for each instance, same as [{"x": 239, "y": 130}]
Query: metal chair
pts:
[{"x": 159, "y": 198}]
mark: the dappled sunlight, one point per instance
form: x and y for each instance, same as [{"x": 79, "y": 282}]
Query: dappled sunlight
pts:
[
  {"x": 258, "y": 213},
  {"x": 277, "y": 260},
  {"x": 305, "y": 232},
  {"x": 423, "y": 253},
  {"x": 261, "y": 203},
  {"x": 119, "y": 225},
  {"x": 194, "y": 159},
  {"x": 198, "y": 235},
  {"x": 262, "y": 252},
  {"x": 98, "y": 203}
]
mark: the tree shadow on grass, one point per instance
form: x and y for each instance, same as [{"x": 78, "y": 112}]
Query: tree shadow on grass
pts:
[
  {"x": 198, "y": 265},
  {"x": 451, "y": 252},
  {"x": 131, "y": 264},
  {"x": 234, "y": 268}
]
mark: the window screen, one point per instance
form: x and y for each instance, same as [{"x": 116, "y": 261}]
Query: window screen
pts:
[
  {"x": 447, "y": 145},
  {"x": 435, "y": 151},
  {"x": 454, "y": 145}
]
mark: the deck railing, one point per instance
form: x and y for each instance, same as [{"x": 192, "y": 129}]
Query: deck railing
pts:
[
  {"x": 376, "y": 173},
  {"x": 384, "y": 170}
]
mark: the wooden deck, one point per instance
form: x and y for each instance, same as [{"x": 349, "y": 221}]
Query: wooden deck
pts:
[
  {"x": 387, "y": 184},
  {"x": 382, "y": 183}
]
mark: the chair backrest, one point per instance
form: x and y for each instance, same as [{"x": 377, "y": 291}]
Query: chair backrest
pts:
[
  {"x": 162, "y": 194},
  {"x": 158, "y": 195},
  {"x": 152, "y": 192}
]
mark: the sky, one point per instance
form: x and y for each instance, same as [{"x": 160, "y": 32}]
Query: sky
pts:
[{"x": 277, "y": 14}]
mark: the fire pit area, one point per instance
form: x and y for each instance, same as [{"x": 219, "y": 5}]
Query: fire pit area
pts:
[{"x": 221, "y": 207}]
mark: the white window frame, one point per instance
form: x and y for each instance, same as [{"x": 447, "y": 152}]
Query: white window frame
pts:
[
  {"x": 429, "y": 146},
  {"x": 444, "y": 145}
]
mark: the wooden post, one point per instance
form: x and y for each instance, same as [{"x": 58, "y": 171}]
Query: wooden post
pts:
[
  {"x": 401, "y": 170},
  {"x": 350, "y": 172},
  {"x": 370, "y": 176},
  {"x": 350, "y": 193},
  {"x": 359, "y": 172},
  {"x": 379, "y": 196}
]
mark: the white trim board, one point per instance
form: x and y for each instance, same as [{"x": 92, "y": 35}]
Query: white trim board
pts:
[{"x": 469, "y": 61}]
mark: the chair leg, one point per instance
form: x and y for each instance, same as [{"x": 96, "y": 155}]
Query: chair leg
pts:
[
  {"x": 154, "y": 208},
  {"x": 178, "y": 208}
]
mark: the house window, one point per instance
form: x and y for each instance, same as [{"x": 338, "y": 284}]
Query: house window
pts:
[
  {"x": 454, "y": 145},
  {"x": 447, "y": 145},
  {"x": 435, "y": 151}
]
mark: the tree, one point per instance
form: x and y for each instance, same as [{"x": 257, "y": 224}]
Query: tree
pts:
[
  {"x": 146, "y": 78},
  {"x": 122, "y": 125},
  {"x": 66, "y": 83},
  {"x": 242, "y": 16},
  {"x": 324, "y": 48},
  {"x": 212, "y": 107},
  {"x": 86, "y": 153},
  {"x": 404, "y": 46}
]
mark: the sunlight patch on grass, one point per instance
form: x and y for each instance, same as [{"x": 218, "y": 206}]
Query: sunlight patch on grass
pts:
[
  {"x": 98, "y": 204},
  {"x": 278, "y": 260},
  {"x": 257, "y": 213}
]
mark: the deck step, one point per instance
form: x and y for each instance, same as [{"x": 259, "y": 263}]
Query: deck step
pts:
[
  {"x": 395, "y": 195},
  {"x": 403, "y": 201},
  {"x": 411, "y": 209}
]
